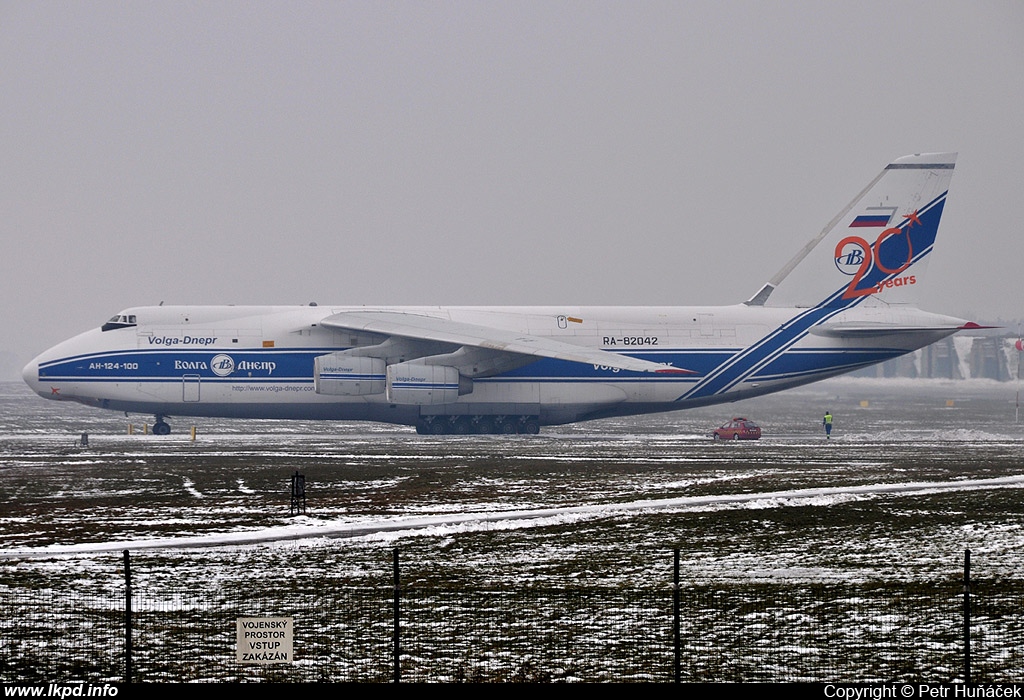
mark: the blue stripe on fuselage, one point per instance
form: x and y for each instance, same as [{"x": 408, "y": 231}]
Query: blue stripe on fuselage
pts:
[
  {"x": 164, "y": 365},
  {"x": 297, "y": 366}
]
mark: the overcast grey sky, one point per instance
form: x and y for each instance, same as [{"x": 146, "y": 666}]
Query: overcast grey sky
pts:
[{"x": 483, "y": 152}]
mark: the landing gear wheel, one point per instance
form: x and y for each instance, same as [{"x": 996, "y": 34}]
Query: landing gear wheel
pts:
[
  {"x": 531, "y": 426},
  {"x": 161, "y": 428},
  {"x": 461, "y": 426},
  {"x": 507, "y": 427}
]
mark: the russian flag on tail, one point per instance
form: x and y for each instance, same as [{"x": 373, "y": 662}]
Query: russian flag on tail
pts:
[
  {"x": 871, "y": 221},
  {"x": 876, "y": 217}
]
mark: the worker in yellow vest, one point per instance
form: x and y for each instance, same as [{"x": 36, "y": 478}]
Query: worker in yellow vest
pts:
[{"x": 827, "y": 422}]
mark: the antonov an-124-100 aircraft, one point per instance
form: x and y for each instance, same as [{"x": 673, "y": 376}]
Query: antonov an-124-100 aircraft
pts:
[{"x": 845, "y": 301}]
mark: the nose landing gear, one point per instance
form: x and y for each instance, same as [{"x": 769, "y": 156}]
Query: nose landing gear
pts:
[{"x": 161, "y": 427}]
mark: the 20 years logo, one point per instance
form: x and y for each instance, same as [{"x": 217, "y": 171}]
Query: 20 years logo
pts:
[{"x": 855, "y": 257}]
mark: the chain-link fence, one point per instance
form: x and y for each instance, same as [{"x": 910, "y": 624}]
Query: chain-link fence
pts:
[{"x": 850, "y": 632}]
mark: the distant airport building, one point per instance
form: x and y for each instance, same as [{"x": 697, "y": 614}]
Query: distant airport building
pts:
[{"x": 963, "y": 356}]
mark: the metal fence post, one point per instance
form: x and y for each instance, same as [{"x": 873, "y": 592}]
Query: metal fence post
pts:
[
  {"x": 397, "y": 648},
  {"x": 127, "y": 619},
  {"x": 967, "y": 616},
  {"x": 675, "y": 616}
]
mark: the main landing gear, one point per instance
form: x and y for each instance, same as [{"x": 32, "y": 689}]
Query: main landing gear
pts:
[
  {"x": 161, "y": 427},
  {"x": 478, "y": 425}
]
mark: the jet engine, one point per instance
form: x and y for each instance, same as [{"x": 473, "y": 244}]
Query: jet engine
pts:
[
  {"x": 339, "y": 374},
  {"x": 416, "y": 383}
]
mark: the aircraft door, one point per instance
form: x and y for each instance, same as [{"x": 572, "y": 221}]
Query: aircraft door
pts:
[
  {"x": 190, "y": 387},
  {"x": 706, "y": 321}
]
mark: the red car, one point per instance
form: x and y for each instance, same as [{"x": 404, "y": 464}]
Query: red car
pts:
[{"x": 738, "y": 429}]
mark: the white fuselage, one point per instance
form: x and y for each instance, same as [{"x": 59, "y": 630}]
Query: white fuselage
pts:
[{"x": 258, "y": 362}]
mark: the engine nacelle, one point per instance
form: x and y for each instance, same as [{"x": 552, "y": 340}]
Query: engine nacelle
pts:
[
  {"x": 339, "y": 374},
  {"x": 419, "y": 384}
]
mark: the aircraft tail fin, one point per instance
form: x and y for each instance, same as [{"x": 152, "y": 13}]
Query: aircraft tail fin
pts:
[{"x": 876, "y": 248}]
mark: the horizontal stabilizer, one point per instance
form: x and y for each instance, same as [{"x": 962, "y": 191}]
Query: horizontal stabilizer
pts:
[{"x": 867, "y": 329}]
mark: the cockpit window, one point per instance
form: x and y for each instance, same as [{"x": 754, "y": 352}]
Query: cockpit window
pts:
[{"x": 119, "y": 321}]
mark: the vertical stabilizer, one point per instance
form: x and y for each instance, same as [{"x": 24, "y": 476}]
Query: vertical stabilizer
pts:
[{"x": 874, "y": 249}]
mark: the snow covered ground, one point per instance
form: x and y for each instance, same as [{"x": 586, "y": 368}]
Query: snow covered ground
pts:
[{"x": 916, "y": 472}]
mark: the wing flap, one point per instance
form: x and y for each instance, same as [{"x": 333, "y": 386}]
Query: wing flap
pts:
[{"x": 443, "y": 330}]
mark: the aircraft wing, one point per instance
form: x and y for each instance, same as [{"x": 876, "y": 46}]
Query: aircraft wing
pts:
[{"x": 432, "y": 328}]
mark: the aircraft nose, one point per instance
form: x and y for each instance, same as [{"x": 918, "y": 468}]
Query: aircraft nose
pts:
[{"x": 31, "y": 375}]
